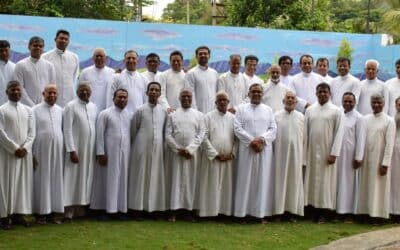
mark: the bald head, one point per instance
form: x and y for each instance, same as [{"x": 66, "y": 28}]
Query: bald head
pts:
[
  {"x": 290, "y": 101},
  {"x": 274, "y": 71},
  {"x": 50, "y": 94},
  {"x": 99, "y": 57}
]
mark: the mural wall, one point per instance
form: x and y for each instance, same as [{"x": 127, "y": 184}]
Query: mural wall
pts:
[{"x": 117, "y": 37}]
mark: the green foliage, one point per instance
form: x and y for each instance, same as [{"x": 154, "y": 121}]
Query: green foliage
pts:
[
  {"x": 200, "y": 12},
  {"x": 345, "y": 49}
]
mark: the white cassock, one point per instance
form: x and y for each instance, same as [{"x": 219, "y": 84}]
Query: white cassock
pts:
[
  {"x": 395, "y": 172},
  {"x": 274, "y": 94},
  {"x": 66, "y": 65},
  {"x": 252, "y": 79},
  {"x": 203, "y": 82},
  {"x": 369, "y": 88},
  {"x": 79, "y": 120},
  {"x": 288, "y": 159},
  {"x": 304, "y": 85},
  {"x": 235, "y": 86},
  {"x": 217, "y": 177},
  {"x": 327, "y": 79},
  {"x": 150, "y": 76},
  {"x": 17, "y": 128},
  {"x": 172, "y": 82},
  {"x": 34, "y": 75},
  {"x": 147, "y": 185},
  {"x": 110, "y": 183},
  {"x": 393, "y": 86},
  {"x": 100, "y": 82},
  {"x": 352, "y": 149},
  {"x": 48, "y": 149},
  {"x": 185, "y": 129},
  {"x": 6, "y": 75},
  {"x": 286, "y": 79},
  {"x": 323, "y": 134},
  {"x": 342, "y": 84},
  {"x": 136, "y": 85},
  {"x": 374, "y": 196},
  {"x": 254, "y": 185}
]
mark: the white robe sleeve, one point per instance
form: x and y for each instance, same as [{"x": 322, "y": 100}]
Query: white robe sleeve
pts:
[
  {"x": 189, "y": 83},
  {"x": 361, "y": 136},
  {"x": 198, "y": 139},
  {"x": 19, "y": 76},
  {"x": 305, "y": 137},
  {"x": 386, "y": 96},
  {"x": 135, "y": 124},
  {"x": 31, "y": 132},
  {"x": 240, "y": 133},
  {"x": 208, "y": 148},
  {"x": 337, "y": 140},
  {"x": 169, "y": 136},
  {"x": 162, "y": 100},
  {"x": 5, "y": 141},
  {"x": 270, "y": 134},
  {"x": 101, "y": 125},
  {"x": 390, "y": 139},
  {"x": 68, "y": 119}
]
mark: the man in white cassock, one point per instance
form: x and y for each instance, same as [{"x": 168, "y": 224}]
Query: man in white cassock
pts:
[
  {"x": 288, "y": 159},
  {"x": 17, "y": 132},
  {"x": 48, "y": 153},
  {"x": 152, "y": 65},
  {"x": 255, "y": 128},
  {"x": 322, "y": 68},
  {"x": 202, "y": 81},
  {"x": 110, "y": 175},
  {"x": 250, "y": 69},
  {"x": 305, "y": 83},
  {"x": 233, "y": 83},
  {"x": 131, "y": 80},
  {"x": 172, "y": 82},
  {"x": 350, "y": 158},
  {"x": 6, "y": 69},
  {"x": 344, "y": 82},
  {"x": 147, "y": 186},
  {"x": 100, "y": 78},
  {"x": 286, "y": 64},
  {"x": 66, "y": 64},
  {"x": 34, "y": 73},
  {"x": 380, "y": 132},
  {"x": 79, "y": 120},
  {"x": 184, "y": 135},
  {"x": 395, "y": 174},
  {"x": 217, "y": 165},
  {"x": 323, "y": 134},
  {"x": 393, "y": 86},
  {"x": 274, "y": 90},
  {"x": 370, "y": 86}
]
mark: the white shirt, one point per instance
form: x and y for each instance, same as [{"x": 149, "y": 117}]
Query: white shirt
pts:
[
  {"x": 304, "y": 85},
  {"x": 274, "y": 94},
  {"x": 235, "y": 86},
  {"x": 343, "y": 84},
  {"x": 369, "y": 88},
  {"x": 393, "y": 86},
  {"x": 172, "y": 83},
  {"x": 6, "y": 73}
]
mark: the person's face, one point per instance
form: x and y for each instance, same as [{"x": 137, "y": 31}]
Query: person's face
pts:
[
  {"x": 398, "y": 106},
  {"x": 99, "y": 59},
  {"x": 348, "y": 103},
  {"x": 131, "y": 60},
  {"x": 121, "y": 99},
  {"x": 84, "y": 93},
  {"x": 14, "y": 93},
  {"x": 251, "y": 67},
  {"x": 343, "y": 68},
  {"x": 286, "y": 66},
  {"x": 275, "y": 72},
  {"x": 186, "y": 99},
  {"x": 255, "y": 94},
  {"x": 306, "y": 64},
  {"x": 5, "y": 54},
  {"x": 397, "y": 70},
  {"x": 222, "y": 103},
  {"x": 371, "y": 71},
  {"x": 322, "y": 68},
  {"x": 176, "y": 63},
  {"x": 152, "y": 64},
  {"x": 153, "y": 93},
  {"x": 377, "y": 105},
  {"x": 202, "y": 57},
  {"x": 290, "y": 101},
  {"x": 234, "y": 65},
  {"x": 323, "y": 95},
  {"x": 50, "y": 95},
  {"x": 36, "y": 49},
  {"x": 62, "y": 41}
]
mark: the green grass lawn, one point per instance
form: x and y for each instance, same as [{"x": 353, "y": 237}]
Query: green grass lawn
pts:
[{"x": 150, "y": 234}]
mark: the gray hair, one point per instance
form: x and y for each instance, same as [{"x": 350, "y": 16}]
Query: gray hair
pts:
[
  {"x": 372, "y": 61},
  {"x": 377, "y": 96}
]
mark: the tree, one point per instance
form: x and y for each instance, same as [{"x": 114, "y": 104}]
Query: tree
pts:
[
  {"x": 200, "y": 12},
  {"x": 391, "y": 18},
  {"x": 345, "y": 50}
]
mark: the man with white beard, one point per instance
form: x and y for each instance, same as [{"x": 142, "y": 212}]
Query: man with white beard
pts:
[
  {"x": 255, "y": 128},
  {"x": 395, "y": 179},
  {"x": 370, "y": 86},
  {"x": 172, "y": 82},
  {"x": 184, "y": 135},
  {"x": 288, "y": 157},
  {"x": 79, "y": 120},
  {"x": 233, "y": 83},
  {"x": 17, "y": 132},
  {"x": 274, "y": 90},
  {"x": 393, "y": 86},
  {"x": 350, "y": 158},
  {"x": 48, "y": 153},
  {"x": 217, "y": 170},
  {"x": 6, "y": 69},
  {"x": 66, "y": 65},
  {"x": 344, "y": 82},
  {"x": 380, "y": 132},
  {"x": 250, "y": 69}
]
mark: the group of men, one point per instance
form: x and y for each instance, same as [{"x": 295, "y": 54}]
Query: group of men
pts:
[{"x": 194, "y": 140}]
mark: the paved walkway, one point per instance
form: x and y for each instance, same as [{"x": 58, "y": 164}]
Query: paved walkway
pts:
[{"x": 387, "y": 239}]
